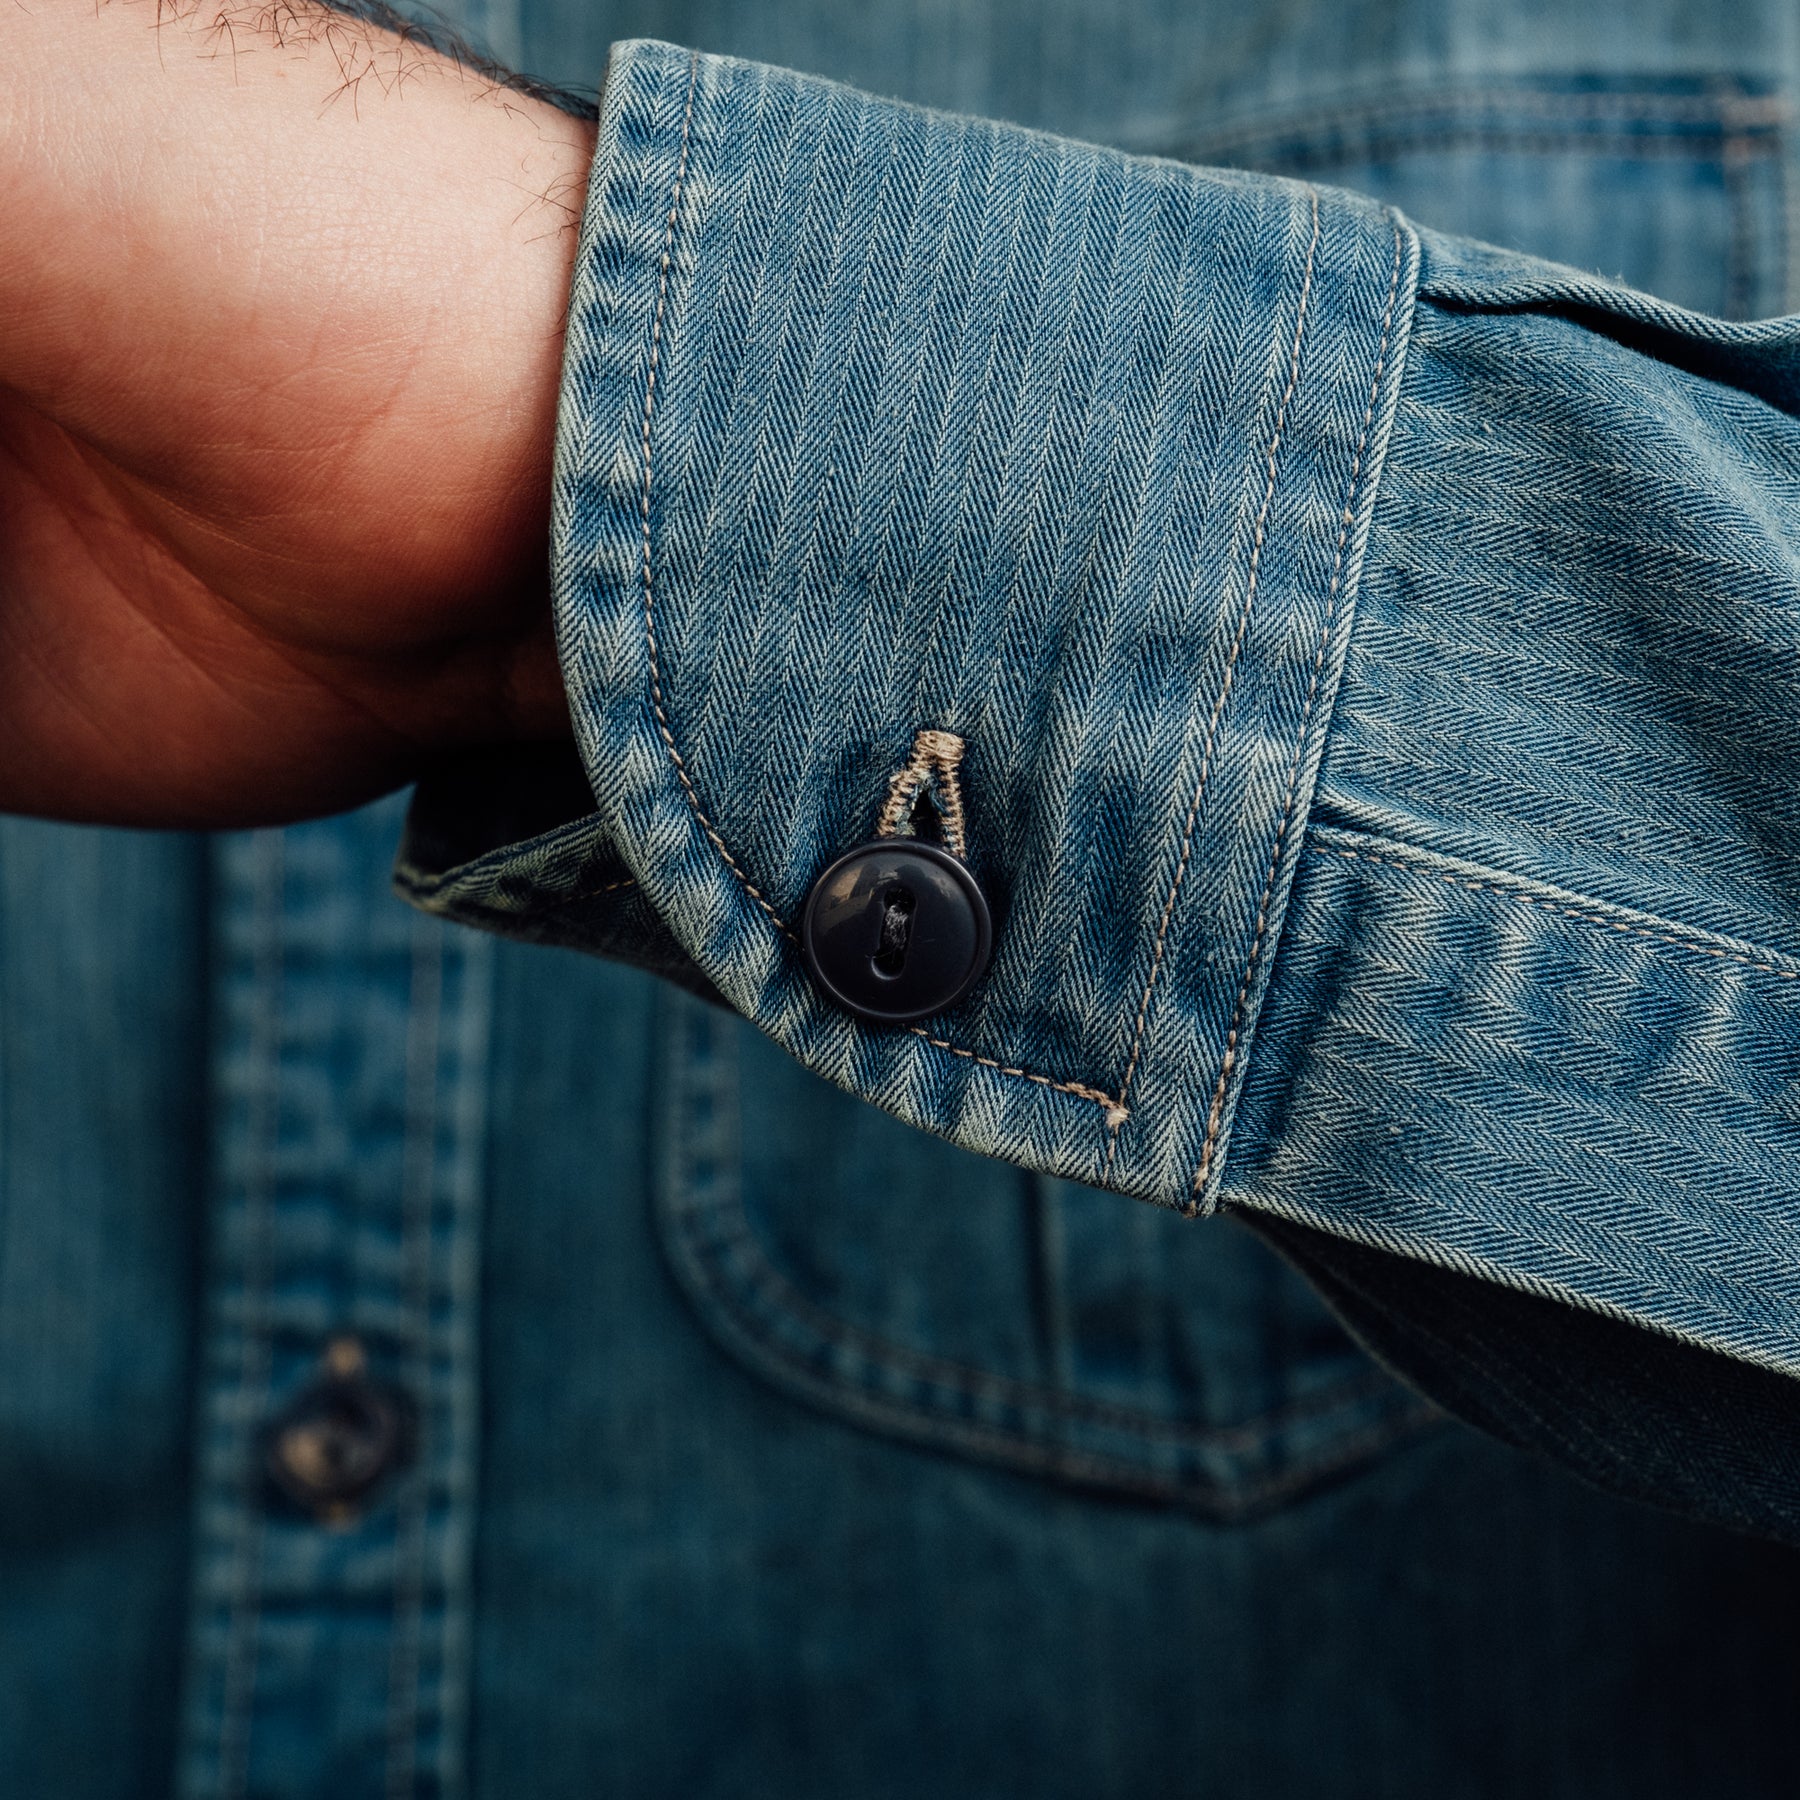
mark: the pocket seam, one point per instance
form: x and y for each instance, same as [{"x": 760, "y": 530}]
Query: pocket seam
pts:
[{"x": 766, "y": 1325}]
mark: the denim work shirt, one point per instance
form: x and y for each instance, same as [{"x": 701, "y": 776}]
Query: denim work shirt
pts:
[{"x": 1363, "y": 668}]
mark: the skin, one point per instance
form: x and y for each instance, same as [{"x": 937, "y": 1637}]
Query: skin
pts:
[{"x": 281, "y": 311}]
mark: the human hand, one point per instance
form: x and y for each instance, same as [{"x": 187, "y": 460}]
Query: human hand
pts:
[{"x": 281, "y": 308}]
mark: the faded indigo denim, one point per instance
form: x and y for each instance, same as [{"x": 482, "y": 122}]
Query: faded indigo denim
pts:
[
  {"x": 1368, "y": 628},
  {"x": 767, "y": 1446}
]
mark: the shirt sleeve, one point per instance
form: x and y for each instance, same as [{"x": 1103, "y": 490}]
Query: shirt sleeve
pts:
[{"x": 1371, "y": 660}]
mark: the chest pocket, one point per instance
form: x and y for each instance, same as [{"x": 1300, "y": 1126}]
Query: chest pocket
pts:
[{"x": 955, "y": 1302}]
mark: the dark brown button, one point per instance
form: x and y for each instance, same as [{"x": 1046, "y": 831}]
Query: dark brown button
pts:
[{"x": 330, "y": 1447}]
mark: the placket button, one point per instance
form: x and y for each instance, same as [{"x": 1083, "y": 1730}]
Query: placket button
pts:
[
  {"x": 896, "y": 930},
  {"x": 335, "y": 1441}
]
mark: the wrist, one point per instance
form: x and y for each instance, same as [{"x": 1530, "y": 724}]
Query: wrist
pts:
[{"x": 280, "y": 344}]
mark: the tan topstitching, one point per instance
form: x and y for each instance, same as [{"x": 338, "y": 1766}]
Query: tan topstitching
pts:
[
  {"x": 1215, "y": 1113},
  {"x": 611, "y": 887},
  {"x": 1224, "y": 694}
]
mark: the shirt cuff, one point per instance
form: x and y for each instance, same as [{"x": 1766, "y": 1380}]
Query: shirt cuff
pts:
[{"x": 879, "y": 421}]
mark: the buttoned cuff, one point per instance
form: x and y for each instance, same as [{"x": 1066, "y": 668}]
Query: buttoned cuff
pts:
[{"x": 878, "y": 422}]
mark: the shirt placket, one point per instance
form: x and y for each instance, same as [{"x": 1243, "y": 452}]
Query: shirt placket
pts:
[{"x": 336, "y": 1410}]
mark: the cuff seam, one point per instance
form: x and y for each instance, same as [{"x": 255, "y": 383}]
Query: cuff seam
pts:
[
  {"x": 1218, "y": 709},
  {"x": 1228, "y": 1060}
]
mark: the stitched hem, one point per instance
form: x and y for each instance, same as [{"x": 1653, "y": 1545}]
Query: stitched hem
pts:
[
  {"x": 775, "y": 1295},
  {"x": 856, "y": 1371},
  {"x": 1076, "y": 1088}
]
